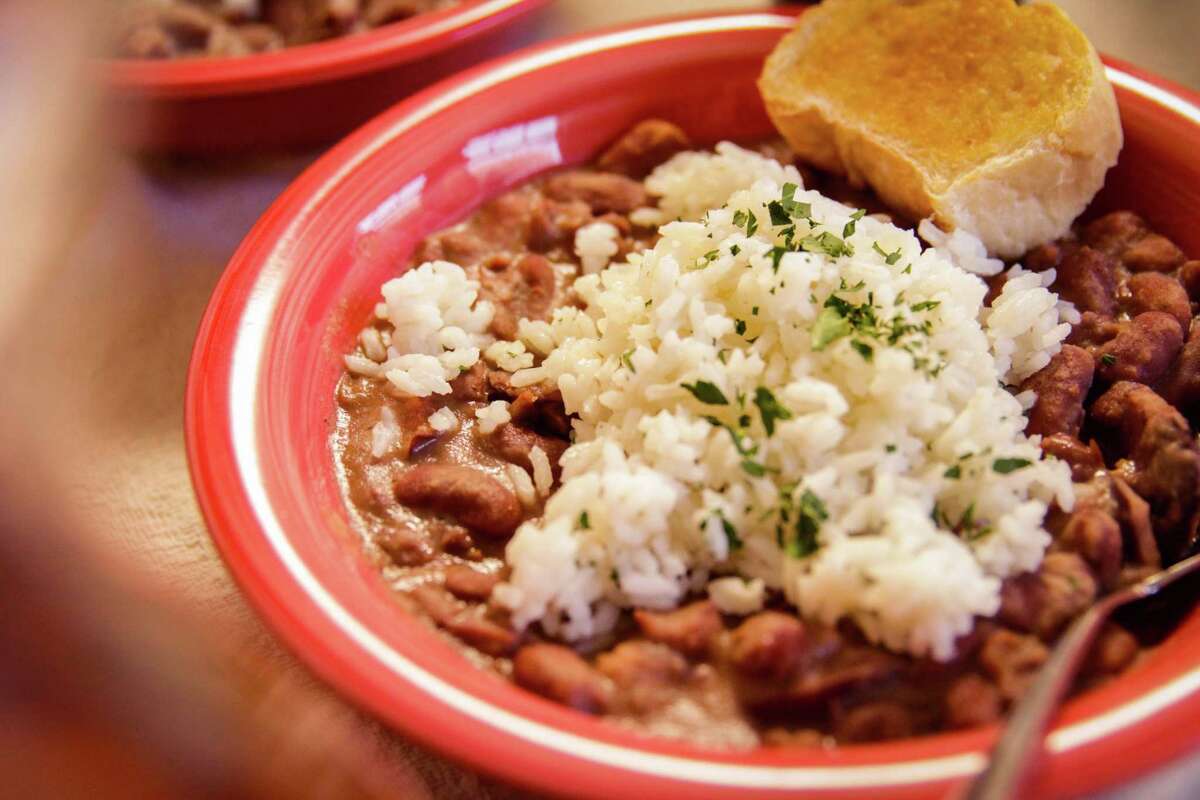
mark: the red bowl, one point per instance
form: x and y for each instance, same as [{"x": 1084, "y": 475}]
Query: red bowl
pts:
[
  {"x": 302, "y": 96},
  {"x": 260, "y": 408}
]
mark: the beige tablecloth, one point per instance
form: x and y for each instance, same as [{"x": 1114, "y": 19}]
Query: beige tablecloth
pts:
[{"x": 158, "y": 245}]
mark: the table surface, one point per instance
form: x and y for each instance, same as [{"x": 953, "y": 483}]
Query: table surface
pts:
[{"x": 189, "y": 216}]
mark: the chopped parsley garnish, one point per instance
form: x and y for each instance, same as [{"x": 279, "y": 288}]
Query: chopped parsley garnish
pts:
[
  {"x": 848, "y": 230},
  {"x": 707, "y": 393},
  {"x": 754, "y": 311},
  {"x": 770, "y": 409},
  {"x": 584, "y": 522},
  {"x": 743, "y": 443},
  {"x": 891, "y": 448},
  {"x": 779, "y": 215},
  {"x": 731, "y": 534},
  {"x": 826, "y": 243},
  {"x": 926, "y": 305},
  {"x": 795, "y": 208},
  {"x": 1007, "y": 465},
  {"x": 954, "y": 472},
  {"x": 739, "y": 325},
  {"x": 863, "y": 349},
  {"x": 723, "y": 356},
  {"x": 734, "y": 250},
  {"x": 830, "y": 326},
  {"x": 1108, "y": 359},
  {"x": 811, "y": 514},
  {"x": 889, "y": 258},
  {"x": 967, "y": 527},
  {"x": 755, "y": 469},
  {"x": 745, "y": 219},
  {"x": 777, "y": 254},
  {"x": 627, "y": 359}
]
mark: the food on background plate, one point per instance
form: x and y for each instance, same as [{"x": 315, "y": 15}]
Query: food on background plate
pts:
[
  {"x": 707, "y": 444},
  {"x": 987, "y": 115},
  {"x": 163, "y": 29}
]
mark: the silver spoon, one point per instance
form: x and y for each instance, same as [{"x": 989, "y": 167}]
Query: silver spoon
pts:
[{"x": 1021, "y": 743}]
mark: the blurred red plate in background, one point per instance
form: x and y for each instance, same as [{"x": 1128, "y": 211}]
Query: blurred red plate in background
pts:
[{"x": 306, "y": 95}]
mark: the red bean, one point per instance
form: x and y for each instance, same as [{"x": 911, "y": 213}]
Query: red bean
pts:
[
  {"x": 602, "y": 191},
  {"x": 769, "y": 645},
  {"x": 560, "y": 674},
  {"x": 1143, "y": 350},
  {"x": 473, "y": 498},
  {"x": 1061, "y": 387},
  {"x": 1087, "y": 278},
  {"x": 643, "y": 148},
  {"x": 689, "y": 629},
  {"x": 1154, "y": 291}
]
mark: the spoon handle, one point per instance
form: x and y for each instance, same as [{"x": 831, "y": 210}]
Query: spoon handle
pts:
[
  {"x": 1021, "y": 741},
  {"x": 1018, "y": 748}
]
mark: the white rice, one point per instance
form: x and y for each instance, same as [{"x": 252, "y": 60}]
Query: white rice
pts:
[
  {"x": 737, "y": 596},
  {"x": 522, "y": 484},
  {"x": 1027, "y": 324},
  {"x": 492, "y": 416},
  {"x": 596, "y": 244},
  {"x": 443, "y": 420},
  {"x": 438, "y": 329},
  {"x": 385, "y": 434},
  {"x": 543, "y": 477},
  {"x": 896, "y": 487},
  {"x": 510, "y": 356},
  {"x": 870, "y": 448}
]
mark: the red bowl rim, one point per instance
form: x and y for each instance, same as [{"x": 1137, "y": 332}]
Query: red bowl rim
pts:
[
  {"x": 220, "y": 444},
  {"x": 386, "y": 46}
]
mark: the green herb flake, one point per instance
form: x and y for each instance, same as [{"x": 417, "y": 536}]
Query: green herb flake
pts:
[
  {"x": 889, "y": 258},
  {"x": 1108, "y": 359},
  {"x": 779, "y": 215},
  {"x": 627, "y": 359},
  {"x": 1006, "y": 465},
  {"x": 848, "y": 230},
  {"x": 953, "y": 473},
  {"x": 734, "y": 250},
  {"x": 743, "y": 444},
  {"x": 723, "y": 356},
  {"x": 830, "y": 326},
  {"x": 739, "y": 325},
  {"x": 891, "y": 448},
  {"x": 706, "y": 393},
  {"x": 731, "y": 534},
  {"x": 808, "y": 523},
  {"x": 755, "y": 469},
  {"x": 777, "y": 254},
  {"x": 770, "y": 409},
  {"x": 863, "y": 349},
  {"x": 926, "y": 305},
  {"x": 826, "y": 243},
  {"x": 584, "y": 523}
]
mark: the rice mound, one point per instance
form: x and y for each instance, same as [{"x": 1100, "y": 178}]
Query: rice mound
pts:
[
  {"x": 667, "y": 487},
  {"x": 808, "y": 401}
]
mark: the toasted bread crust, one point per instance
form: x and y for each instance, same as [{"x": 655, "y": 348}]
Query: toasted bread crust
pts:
[{"x": 1006, "y": 132}]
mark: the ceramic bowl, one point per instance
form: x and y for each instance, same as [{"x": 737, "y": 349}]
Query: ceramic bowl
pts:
[{"x": 260, "y": 409}]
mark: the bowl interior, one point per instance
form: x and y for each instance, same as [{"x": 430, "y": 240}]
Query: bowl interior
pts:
[{"x": 307, "y": 280}]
